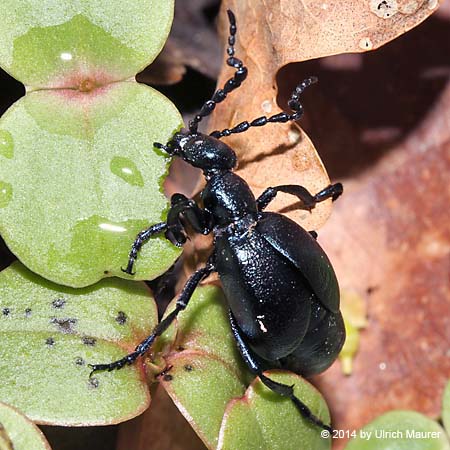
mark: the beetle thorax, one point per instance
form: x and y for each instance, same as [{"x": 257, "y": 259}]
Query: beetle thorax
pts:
[{"x": 229, "y": 198}]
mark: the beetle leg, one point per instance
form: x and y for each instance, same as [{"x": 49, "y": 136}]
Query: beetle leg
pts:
[
  {"x": 141, "y": 238},
  {"x": 256, "y": 366},
  {"x": 281, "y": 117},
  {"x": 174, "y": 231},
  {"x": 233, "y": 83},
  {"x": 332, "y": 191},
  {"x": 199, "y": 219},
  {"x": 181, "y": 304}
]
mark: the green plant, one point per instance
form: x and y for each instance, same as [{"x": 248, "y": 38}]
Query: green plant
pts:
[
  {"x": 79, "y": 180},
  {"x": 65, "y": 185},
  {"x": 78, "y": 173}
]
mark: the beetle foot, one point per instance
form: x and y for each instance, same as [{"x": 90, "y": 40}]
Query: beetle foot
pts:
[
  {"x": 288, "y": 391},
  {"x": 115, "y": 365},
  {"x": 129, "y": 268}
]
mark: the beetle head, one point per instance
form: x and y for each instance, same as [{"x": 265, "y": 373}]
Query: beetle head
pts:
[{"x": 203, "y": 151}]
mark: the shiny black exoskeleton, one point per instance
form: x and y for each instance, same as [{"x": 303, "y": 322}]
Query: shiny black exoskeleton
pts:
[{"x": 281, "y": 289}]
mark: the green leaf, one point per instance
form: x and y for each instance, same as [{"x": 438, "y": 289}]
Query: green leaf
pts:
[
  {"x": 265, "y": 421},
  {"x": 201, "y": 386},
  {"x": 50, "y": 333},
  {"x": 400, "y": 430},
  {"x": 49, "y": 43},
  {"x": 19, "y": 433},
  {"x": 204, "y": 326},
  {"x": 446, "y": 408},
  {"x": 206, "y": 368},
  {"x": 354, "y": 312},
  {"x": 79, "y": 179},
  {"x": 207, "y": 374}
]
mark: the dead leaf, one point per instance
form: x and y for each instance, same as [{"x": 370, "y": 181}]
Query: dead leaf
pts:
[
  {"x": 389, "y": 239},
  {"x": 271, "y": 37}
]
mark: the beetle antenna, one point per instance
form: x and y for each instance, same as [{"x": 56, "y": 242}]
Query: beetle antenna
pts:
[
  {"x": 233, "y": 83},
  {"x": 282, "y": 117}
]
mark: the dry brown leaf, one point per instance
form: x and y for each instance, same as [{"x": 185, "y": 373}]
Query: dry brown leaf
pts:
[
  {"x": 389, "y": 239},
  {"x": 271, "y": 36},
  {"x": 168, "y": 68}
]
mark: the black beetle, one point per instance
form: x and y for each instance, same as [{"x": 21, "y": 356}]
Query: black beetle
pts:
[{"x": 279, "y": 284}]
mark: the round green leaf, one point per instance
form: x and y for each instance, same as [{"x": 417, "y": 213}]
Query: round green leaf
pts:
[
  {"x": 50, "y": 334},
  {"x": 400, "y": 430},
  {"x": 204, "y": 326},
  {"x": 207, "y": 374},
  {"x": 262, "y": 420},
  {"x": 206, "y": 368},
  {"x": 201, "y": 386},
  {"x": 54, "y": 43},
  {"x": 79, "y": 178},
  {"x": 446, "y": 408},
  {"x": 19, "y": 433}
]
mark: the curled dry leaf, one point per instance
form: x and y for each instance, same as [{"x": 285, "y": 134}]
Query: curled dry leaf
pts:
[{"x": 270, "y": 37}]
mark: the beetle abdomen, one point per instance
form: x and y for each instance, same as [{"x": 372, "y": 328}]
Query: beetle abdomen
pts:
[
  {"x": 320, "y": 346},
  {"x": 269, "y": 297}
]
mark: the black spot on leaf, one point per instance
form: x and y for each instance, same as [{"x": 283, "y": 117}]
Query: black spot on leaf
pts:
[
  {"x": 121, "y": 318},
  {"x": 64, "y": 325},
  {"x": 89, "y": 341},
  {"x": 58, "y": 303},
  {"x": 93, "y": 383},
  {"x": 79, "y": 361}
]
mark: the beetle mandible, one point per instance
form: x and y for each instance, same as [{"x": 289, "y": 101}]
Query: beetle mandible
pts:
[{"x": 281, "y": 289}]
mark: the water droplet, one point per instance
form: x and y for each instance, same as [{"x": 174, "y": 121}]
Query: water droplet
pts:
[
  {"x": 66, "y": 56},
  {"x": 114, "y": 228},
  {"x": 5, "y": 194},
  {"x": 6, "y": 144},
  {"x": 103, "y": 226},
  {"x": 127, "y": 170}
]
